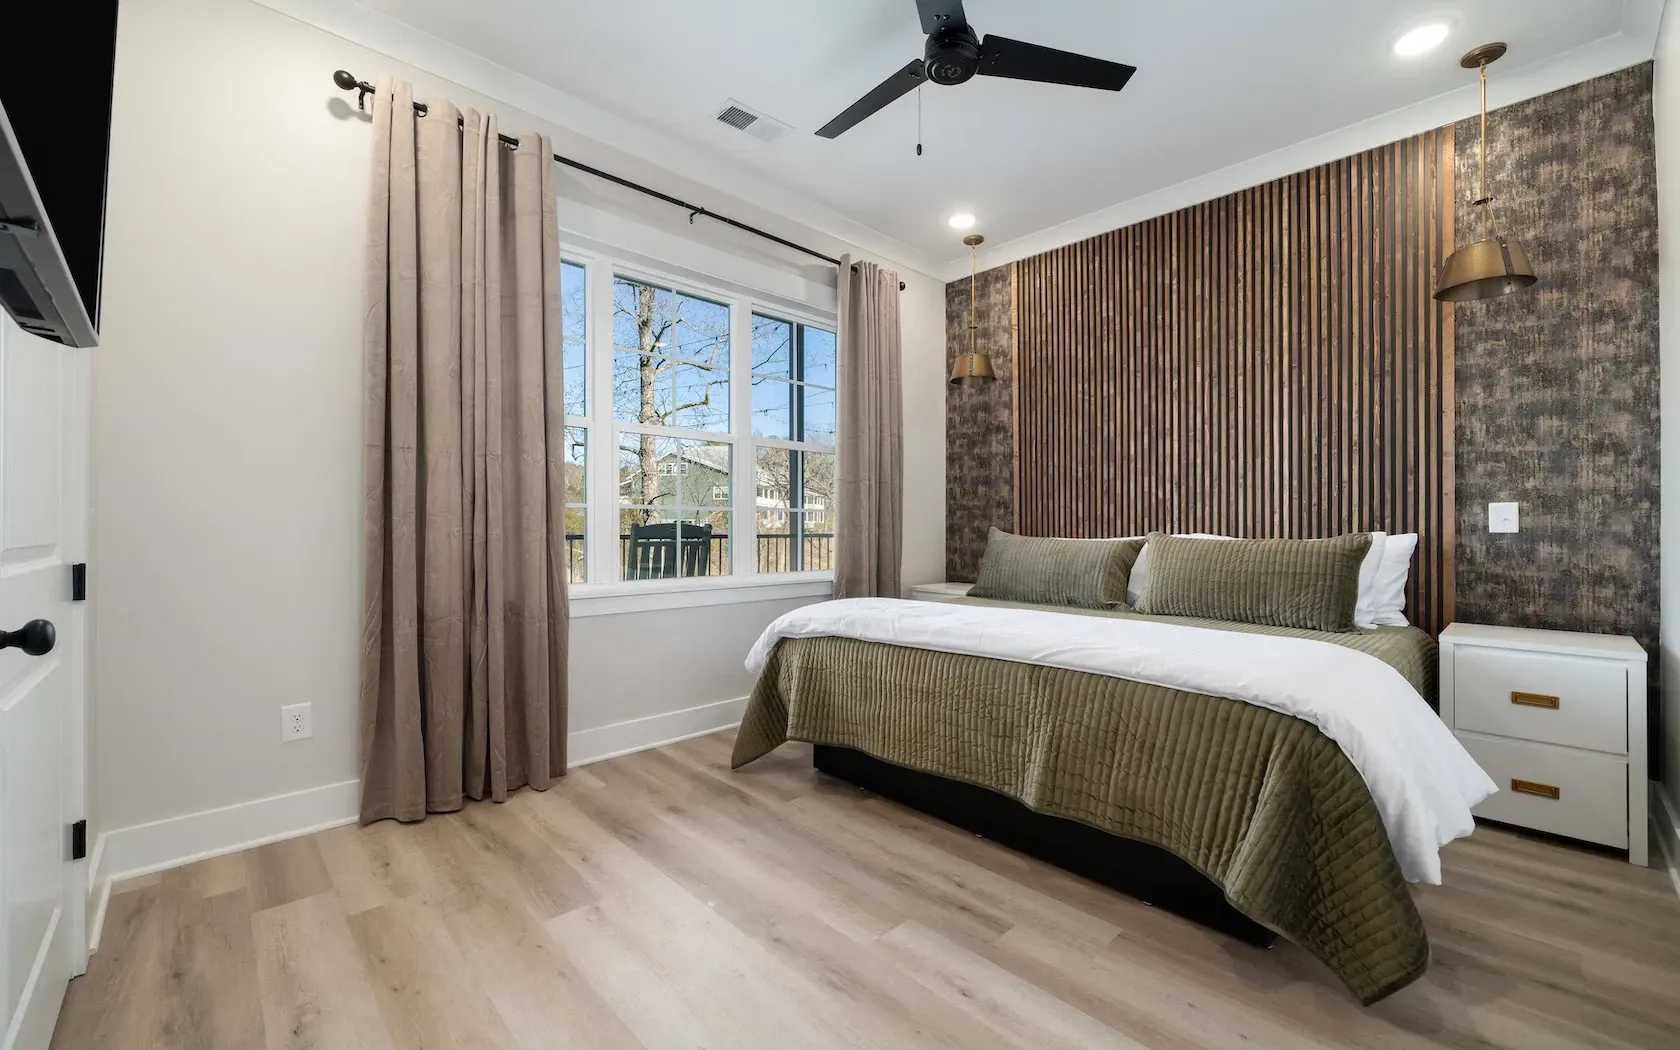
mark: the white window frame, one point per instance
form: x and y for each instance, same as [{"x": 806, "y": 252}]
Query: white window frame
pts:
[
  {"x": 585, "y": 421},
  {"x": 798, "y": 322},
  {"x": 605, "y": 593}
]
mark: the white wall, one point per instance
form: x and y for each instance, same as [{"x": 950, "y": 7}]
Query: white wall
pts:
[
  {"x": 226, "y": 423},
  {"x": 1666, "y": 101}
]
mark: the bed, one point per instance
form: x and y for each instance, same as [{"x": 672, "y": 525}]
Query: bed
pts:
[{"x": 1261, "y": 779}]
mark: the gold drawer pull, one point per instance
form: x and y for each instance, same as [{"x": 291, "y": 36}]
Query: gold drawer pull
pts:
[
  {"x": 1534, "y": 700},
  {"x": 1529, "y": 787}
]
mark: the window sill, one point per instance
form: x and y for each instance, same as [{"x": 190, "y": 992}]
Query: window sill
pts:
[{"x": 617, "y": 598}]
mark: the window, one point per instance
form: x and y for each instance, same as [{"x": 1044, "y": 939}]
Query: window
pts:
[
  {"x": 793, "y": 399},
  {"x": 671, "y": 400},
  {"x": 574, "y": 344},
  {"x": 666, "y": 408}
]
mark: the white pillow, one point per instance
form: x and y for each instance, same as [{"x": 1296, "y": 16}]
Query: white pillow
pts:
[
  {"x": 1389, "y": 606},
  {"x": 1366, "y": 607}
]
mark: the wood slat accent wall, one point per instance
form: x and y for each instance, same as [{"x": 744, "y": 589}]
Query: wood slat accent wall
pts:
[{"x": 1271, "y": 363}]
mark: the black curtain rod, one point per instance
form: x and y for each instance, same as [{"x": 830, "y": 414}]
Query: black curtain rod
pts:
[{"x": 363, "y": 89}]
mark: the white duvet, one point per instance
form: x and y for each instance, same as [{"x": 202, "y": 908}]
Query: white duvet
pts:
[{"x": 1421, "y": 778}]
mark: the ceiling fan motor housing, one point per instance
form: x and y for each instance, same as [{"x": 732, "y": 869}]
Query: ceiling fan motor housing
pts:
[{"x": 952, "y": 56}]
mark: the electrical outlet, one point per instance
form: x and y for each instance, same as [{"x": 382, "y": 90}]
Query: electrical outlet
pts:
[{"x": 297, "y": 722}]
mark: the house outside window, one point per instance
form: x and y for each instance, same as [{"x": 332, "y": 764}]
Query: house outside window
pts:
[{"x": 793, "y": 403}]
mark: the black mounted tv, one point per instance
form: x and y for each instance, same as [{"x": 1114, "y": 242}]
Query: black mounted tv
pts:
[{"x": 55, "y": 131}]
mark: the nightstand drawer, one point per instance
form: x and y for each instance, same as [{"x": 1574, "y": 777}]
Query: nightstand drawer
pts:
[
  {"x": 1577, "y": 701},
  {"x": 1578, "y": 794}
]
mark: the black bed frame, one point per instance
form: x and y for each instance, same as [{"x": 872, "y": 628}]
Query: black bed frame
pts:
[{"x": 1137, "y": 869}]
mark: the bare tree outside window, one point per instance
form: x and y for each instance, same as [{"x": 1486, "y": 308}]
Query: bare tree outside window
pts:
[
  {"x": 577, "y": 504},
  {"x": 574, "y": 336},
  {"x": 670, "y": 369},
  {"x": 574, "y": 343},
  {"x": 671, "y": 373}
]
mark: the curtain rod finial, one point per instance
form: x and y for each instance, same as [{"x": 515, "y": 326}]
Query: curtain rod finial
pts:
[{"x": 347, "y": 82}]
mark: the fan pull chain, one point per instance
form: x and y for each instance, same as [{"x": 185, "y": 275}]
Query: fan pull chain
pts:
[{"x": 918, "y": 121}]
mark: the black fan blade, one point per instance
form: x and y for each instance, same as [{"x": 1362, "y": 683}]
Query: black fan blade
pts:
[
  {"x": 900, "y": 83},
  {"x": 1019, "y": 60},
  {"x": 938, "y": 15}
]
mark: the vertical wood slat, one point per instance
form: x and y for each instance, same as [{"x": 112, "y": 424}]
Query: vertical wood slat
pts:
[
  {"x": 1015, "y": 391},
  {"x": 1267, "y": 364}
]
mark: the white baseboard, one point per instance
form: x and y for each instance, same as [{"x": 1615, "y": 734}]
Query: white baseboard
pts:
[
  {"x": 1665, "y": 820},
  {"x": 161, "y": 844},
  {"x": 127, "y": 853},
  {"x": 641, "y": 734},
  {"x": 141, "y": 849}
]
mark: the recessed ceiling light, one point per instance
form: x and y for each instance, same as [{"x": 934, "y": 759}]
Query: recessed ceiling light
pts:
[
  {"x": 962, "y": 220},
  {"x": 1421, "y": 40}
]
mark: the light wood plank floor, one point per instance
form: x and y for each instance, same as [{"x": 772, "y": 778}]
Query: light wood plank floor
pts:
[{"x": 659, "y": 900}]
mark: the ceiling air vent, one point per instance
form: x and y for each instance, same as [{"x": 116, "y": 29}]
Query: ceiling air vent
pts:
[{"x": 759, "y": 126}]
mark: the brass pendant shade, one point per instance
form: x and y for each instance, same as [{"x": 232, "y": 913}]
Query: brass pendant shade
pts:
[
  {"x": 973, "y": 367},
  {"x": 1485, "y": 270},
  {"x": 1494, "y": 265}
]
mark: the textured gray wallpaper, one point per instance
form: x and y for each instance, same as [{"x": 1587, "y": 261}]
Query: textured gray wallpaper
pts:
[
  {"x": 979, "y": 426},
  {"x": 1557, "y": 386}
]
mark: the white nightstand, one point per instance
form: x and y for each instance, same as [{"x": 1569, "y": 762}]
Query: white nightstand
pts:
[
  {"x": 1558, "y": 721},
  {"x": 938, "y": 592}
]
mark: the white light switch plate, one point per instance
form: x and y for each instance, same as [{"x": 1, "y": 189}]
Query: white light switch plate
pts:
[{"x": 1502, "y": 517}]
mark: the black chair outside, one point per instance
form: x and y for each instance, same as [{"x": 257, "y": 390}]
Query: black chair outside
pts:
[{"x": 654, "y": 554}]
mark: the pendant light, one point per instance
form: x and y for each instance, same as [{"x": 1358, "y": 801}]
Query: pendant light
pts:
[
  {"x": 973, "y": 367},
  {"x": 1493, "y": 266}
]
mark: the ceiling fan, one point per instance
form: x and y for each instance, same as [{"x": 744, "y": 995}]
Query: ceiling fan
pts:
[{"x": 954, "y": 53}]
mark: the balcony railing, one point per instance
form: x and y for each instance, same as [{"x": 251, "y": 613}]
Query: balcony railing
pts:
[{"x": 777, "y": 552}]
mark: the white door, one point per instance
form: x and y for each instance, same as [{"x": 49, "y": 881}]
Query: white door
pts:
[{"x": 43, "y": 525}]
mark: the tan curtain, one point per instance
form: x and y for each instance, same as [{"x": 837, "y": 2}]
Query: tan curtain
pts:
[
  {"x": 464, "y": 630},
  {"x": 870, "y": 521}
]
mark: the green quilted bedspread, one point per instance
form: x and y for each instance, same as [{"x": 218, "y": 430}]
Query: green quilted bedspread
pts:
[{"x": 1262, "y": 803}]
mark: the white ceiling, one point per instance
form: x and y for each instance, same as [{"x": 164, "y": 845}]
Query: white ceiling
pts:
[{"x": 1220, "y": 83}]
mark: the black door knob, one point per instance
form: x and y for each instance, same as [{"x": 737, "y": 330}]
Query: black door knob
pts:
[{"x": 35, "y": 638}]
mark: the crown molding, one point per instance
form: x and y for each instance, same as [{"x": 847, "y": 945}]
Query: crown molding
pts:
[
  {"x": 596, "y": 136},
  {"x": 1635, "y": 43},
  {"x": 1642, "y": 20}
]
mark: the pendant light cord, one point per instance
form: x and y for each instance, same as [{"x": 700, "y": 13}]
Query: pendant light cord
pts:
[
  {"x": 1484, "y": 200},
  {"x": 1492, "y": 266},
  {"x": 971, "y": 325}
]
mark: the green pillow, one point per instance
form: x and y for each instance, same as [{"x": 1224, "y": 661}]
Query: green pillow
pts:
[
  {"x": 1283, "y": 583},
  {"x": 1090, "y": 574}
]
